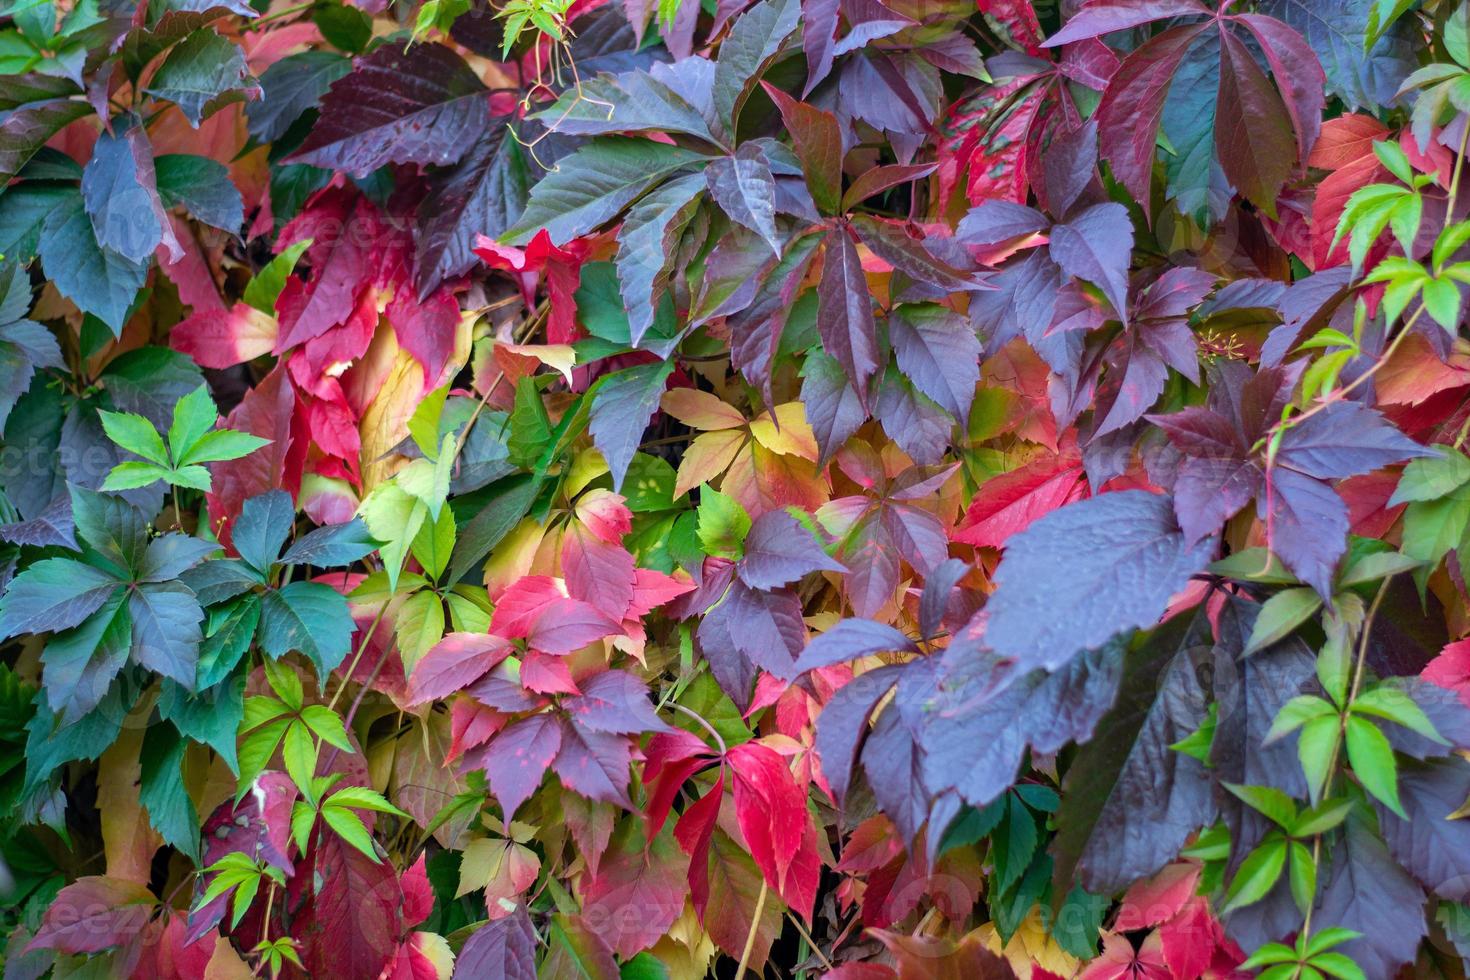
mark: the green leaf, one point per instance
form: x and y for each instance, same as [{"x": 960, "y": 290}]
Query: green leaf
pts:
[
  {"x": 394, "y": 517},
  {"x": 265, "y": 286},
  {"x": 1280, "y": 615},
  {"x": 1275, "y": 805},
  {"x": 1371, "y": 756},
  {"x": 285, "y": 682},
  {"x": 135, "y": 434},
  {"x": 1323, "y": 817},
  {"x": 202, "y": 73},
  {"x": 1258, "y": 873},
  {"x": 299, "y": 753},
  {"x": 363, "y": 799},
  {"x": 1432, "y": 477},
  {"x": 349, "y": 827},
  {"x": 1395, "y": 705},
  {"x": 162, "y": 792},
  {"x": 723, "y": 524},
  {"x": 221, "y": 445},
  {"x": 310, "y": 617},
  {"x": 1303, "y": 876},
  {"x": 1296, "y": 713},
  {"x": 194, "y": 415},
  {"x": 1338, "y": 965},
  {"x": 595, "y": 183},
  {"x": 100, "y": 282},
  {"x": 327, "y": 725},
  {"x": 133, "y": 475},
  {"x": 1316, "y": 747},
  {"x": 1375, "y": 567}
]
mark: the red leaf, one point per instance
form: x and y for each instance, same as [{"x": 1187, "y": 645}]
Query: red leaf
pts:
[
  {"x": 418, "y": 896},
  {"x": 94, "y": 913},
  {"x": 693, "y": 831},
  {"x": 1010, "y": 502},
  {"x": 1190, "y": 939},
  {"x": 1119, "y": 961},
  {"x": 597, "y": 572},
  {"x": 652, "y": 589},
  {"x": 545, "y": 674},
  {"x": 351, "y": 917},
  {"x": 220, "y": 338},
  {"x": 567, "y": 625},
  {"x": 562, "y": 266},
  {"x": 425, "y": 329},
  {"x": 265, "y": 411},
  {"x": 454, "y": 663},
  {"x": 519, "y": 605},
  {"x": 1159, "y": 898},
  {"x": 471, "y": 724},
  {"x": 771, "y": 810},
  {"x": 1451, "y": 670},
  {"x": 637, "y": 892},
  {"x": 342, "y": 225}
]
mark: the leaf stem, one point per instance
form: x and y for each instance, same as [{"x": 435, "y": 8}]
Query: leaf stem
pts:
[{"x": 755, "y": 921}]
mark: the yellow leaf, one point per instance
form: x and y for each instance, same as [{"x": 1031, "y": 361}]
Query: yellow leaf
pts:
[
  {"x": 435, "y": 948},
  {"x": 701, "y": 410},
  {"x": 559, "y": 357},
  {"x": 128, "y": 841},
  {"x": 788, "y": 434},
  {"x": 385, "y": 421},
  {"x": 225, "y": 963},
  {"x": 707, "y": 457}
]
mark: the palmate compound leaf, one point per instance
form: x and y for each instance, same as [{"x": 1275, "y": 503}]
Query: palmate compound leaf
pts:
[
  {"x": 983, "y": 715},
  {"x": 1112, "y": 561},
  {"x": 419, "y": 104}
]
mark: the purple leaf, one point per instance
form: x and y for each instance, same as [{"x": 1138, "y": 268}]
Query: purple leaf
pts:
[
  {"x": 1112, "y": 561},
  {"x": 939, "y": 353},
  {"x": 1344, "y": 439},
  {"x": 852, "y": 639},
  {"x": 646, "y": 243},
  {"x": 744, "y": 189},
  {"x": 52, "y": 527},
  {"x": 515, "y": 760},
  {"x": 614, "y": 702},
  {"x": 1307, "y": 526},
  {"x": 504, "y": 948},
  {"x": 845, "y": 312},
  {"x": 121, "y": 196},
  {"x": 594, "y": 764},
  {"x": 1254, "y": 138},
  {"x": 419, "y": 105},
  {"x": 1106, "y": 16},
  {"x": 1096, "y": 246},
  {"x": 843, "y": 724},
  {"x": 1367, "y": 892},
  {"x": 833, "y": 408},
  {"x": 994, "y": 222},
  {"x": 482, "y": 195},
  {"x": 1128, "y": 116},
  {"x": 1210, "y": 490},
  {"x": 621, "y": 408},
  {"x": 894, "y": 244},
  {"x": 779, "y": 551}
]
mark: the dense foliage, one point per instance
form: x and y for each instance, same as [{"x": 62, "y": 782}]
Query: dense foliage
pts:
[{"x": 865, "y": 488}]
